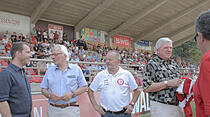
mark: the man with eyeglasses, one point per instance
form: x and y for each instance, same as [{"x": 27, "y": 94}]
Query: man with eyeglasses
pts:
[
  {"x": 62, "y": 84},
  {"x": 202, "y": 85}
]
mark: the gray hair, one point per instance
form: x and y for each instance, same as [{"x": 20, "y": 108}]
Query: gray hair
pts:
[
  {"x": 202, "y": 24},
  {"x": 63, "y": 50},
  {"x": 160, "y": 41}
]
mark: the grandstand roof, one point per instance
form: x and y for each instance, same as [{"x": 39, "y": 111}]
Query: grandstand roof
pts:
[{"x": 140, "y": 19}]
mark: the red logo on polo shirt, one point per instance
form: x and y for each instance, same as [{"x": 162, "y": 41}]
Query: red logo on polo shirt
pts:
[{"x": 120, "y": 81}]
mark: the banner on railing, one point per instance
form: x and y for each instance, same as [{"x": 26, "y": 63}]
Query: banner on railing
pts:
[
  {"x": 93, "y": 35},
  {"x": 122, "y": 41},
  {"x": 40, "y": 104},
  {"x": 86, "y": 109}
]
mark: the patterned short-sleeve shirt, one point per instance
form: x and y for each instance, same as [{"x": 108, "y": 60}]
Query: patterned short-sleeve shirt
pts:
[{"x": 157, "y": 70}]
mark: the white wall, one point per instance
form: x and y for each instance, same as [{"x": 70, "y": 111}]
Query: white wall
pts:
[{"x": 14, "y": 23}]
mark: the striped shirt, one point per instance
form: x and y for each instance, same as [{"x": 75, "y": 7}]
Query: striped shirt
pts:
[{"x": 60, "y": 83}]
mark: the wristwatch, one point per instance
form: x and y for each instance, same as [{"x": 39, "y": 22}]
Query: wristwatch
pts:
[
  {"x": 49, "y": 96},
  {"x": 132, "y": 104},
  {"x": 73, "y": 94},
  {"x": 166, "y": 83}
]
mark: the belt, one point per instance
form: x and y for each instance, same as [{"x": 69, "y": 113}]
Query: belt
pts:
[
  {"x": 115, "y": 112},
  {"x": 169, "y": 103},
  {"x": 65, "y": 105}
]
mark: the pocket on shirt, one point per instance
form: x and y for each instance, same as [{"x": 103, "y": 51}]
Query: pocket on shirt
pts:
[{"x": 71, "y": 83}]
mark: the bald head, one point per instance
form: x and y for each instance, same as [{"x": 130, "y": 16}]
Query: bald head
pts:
[{"x": 115, "y": 54}]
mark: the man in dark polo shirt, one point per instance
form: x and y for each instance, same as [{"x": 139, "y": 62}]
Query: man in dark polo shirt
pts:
[
  {"x": 15, "y": 92},
  {"x": 161, "y": 79}
]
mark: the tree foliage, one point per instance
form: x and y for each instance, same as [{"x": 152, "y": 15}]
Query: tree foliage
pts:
[{"x": 188, "y": 52}]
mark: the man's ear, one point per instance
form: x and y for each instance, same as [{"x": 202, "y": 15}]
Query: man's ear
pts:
[
  {"x": 17, "y": 53},
  {"x": 201, "y": 37}
]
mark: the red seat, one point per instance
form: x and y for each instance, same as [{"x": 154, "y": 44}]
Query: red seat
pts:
[
  {"x": 31, "y": 71},
  {"x": 37, "y": 79},
  {"x": 29, "y": 80},
  {"x": 4, "y": 63}
]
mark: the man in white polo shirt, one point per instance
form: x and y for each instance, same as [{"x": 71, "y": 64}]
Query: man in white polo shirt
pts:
[{"x": 115, "y": 84}]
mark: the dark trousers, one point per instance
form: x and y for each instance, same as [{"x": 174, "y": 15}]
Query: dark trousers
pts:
[{"x": 108, "y": 114}]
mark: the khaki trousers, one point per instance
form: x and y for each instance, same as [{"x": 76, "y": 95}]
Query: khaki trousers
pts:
[
  {"x": 164, "y": 110},
  {"x": 71, "y": 111}
]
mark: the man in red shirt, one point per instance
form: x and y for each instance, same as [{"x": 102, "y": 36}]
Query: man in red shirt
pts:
[
  {"x": 56, "y": 36},
  {"x": 202, "y": 86},
  {"x": 8, "y": 46}
]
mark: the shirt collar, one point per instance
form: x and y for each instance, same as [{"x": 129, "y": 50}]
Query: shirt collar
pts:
[
  {"x": 162, "y": 61},
  {"x": 118, "y": 72},
  {"x": 16, "y": 68},
  {"x": 69, "y": 67}
]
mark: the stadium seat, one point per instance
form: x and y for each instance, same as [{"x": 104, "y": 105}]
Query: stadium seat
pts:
[
  {"x": 31, "y": 71},
  {"x": 29, "y": 79},
  {"x": 4, "y": 63},
  {"x": 36, "y": 79}
]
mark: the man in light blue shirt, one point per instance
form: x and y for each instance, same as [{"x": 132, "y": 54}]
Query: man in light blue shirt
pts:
[{"x": 62, "y": 84}]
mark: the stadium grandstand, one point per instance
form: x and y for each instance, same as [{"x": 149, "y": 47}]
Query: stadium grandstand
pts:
[{"x": 90, "y": 28}]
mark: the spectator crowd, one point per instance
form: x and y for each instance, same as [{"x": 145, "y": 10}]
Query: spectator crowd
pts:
[{"x": 43, "y": 42}]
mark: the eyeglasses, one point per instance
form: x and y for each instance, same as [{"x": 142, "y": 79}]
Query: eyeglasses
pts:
[
  {"x": 55, "y": 54},
  {"x": 195, "y": 37}
]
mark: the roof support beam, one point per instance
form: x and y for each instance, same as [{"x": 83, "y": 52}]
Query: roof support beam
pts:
[
  {"x": 182, "y": 29},
  {"x": 93, "y": 14},
  {"x": 132, "y": 20},
  {"x": 172, "y": 19},
  {"x": 39, "y": 10}
]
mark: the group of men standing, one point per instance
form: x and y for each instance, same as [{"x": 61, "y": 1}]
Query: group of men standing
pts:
[{"x": 63, "y": 82}]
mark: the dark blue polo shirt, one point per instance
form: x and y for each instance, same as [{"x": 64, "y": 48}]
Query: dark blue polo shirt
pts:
[{"x": 15, "y": 89}]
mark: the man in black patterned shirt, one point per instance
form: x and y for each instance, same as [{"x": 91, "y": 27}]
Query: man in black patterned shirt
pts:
[{"x": 161, "y": 79}]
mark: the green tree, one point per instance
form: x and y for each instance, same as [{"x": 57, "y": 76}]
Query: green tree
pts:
[{"x": 189, "y": 52}]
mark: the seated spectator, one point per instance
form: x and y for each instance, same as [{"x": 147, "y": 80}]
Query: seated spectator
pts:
[
  {"x": 81, "y": 51},
  {"x": 5, "y": 40},
  {"x": 43, "y": 67},
  {"x": 75, "y": 58},
  {"x": 55, "y": 36},
  {"x": 45, "y": 35},
  {"x": 14, "y": 37},
  {"x": 2, "y": 49},
  {"x": 50, "y": 64},
  {"x": 8, "y": 47}
]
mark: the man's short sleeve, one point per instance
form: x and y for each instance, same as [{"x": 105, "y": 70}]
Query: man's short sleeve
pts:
[
  {"x": 148, "y": 76},
  {"x": 44, "y": 84},
  {"x": 132, "y": 82},
  {"x": 82, "y": 82},
  {"x": 96, "y": 83},
  {"x": 5, "y": 85}
]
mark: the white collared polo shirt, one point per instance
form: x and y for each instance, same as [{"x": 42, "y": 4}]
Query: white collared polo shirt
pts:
[{"x": 114, "y": 89}]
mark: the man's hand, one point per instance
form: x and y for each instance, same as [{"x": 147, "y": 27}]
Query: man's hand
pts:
[
  {"x": 66, "y": 96},
  {"x": 129, "y": 109},
  {"x": 99, "y": 109},
  {"x": 174, "y": 82},
  {"x": 54, "y": 97}
]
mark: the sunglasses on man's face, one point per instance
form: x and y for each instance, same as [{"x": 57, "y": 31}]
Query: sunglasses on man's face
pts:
[{"x": 195, "y": 37}]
